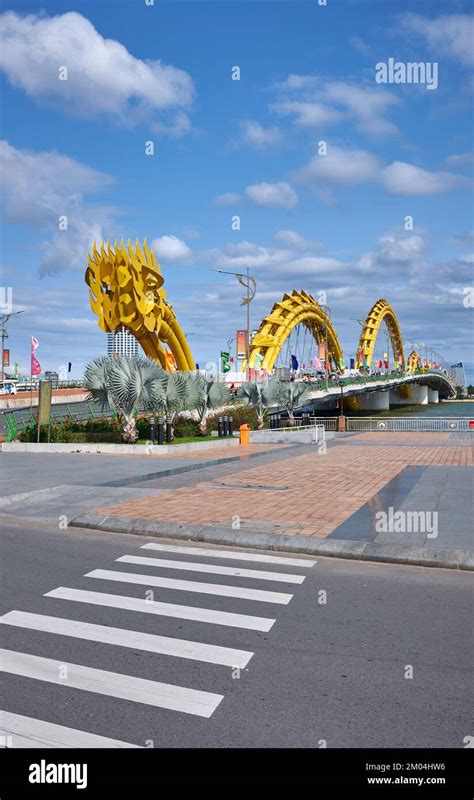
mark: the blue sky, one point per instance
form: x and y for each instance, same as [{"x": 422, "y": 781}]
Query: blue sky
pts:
[{"x": 331, "y": 223}]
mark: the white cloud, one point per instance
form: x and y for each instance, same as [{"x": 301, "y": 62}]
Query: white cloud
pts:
[
  {"x": 315, "y": 104},
  {"x": 308, "y": 114},
  {"x": 178, "y": 126},
  {"x": 339, "y": 168},
  {"x": 459, "y": 160},
  {"x": 170, "y": 248},
  {"x": 281, "y": 195},
  {"x": 451, "y": 35},
  {"x": 409, "y": 180},
  {"x": 103, "y": 77},
  {"x": 394, "y": 250},
  {"x": 366, "y": 105},
  {"x": 298, "y": 242},
  {"x": 227, "y": 199},
  {"x": 39, "y": 188},
  {"x": 258, "y": 137}
]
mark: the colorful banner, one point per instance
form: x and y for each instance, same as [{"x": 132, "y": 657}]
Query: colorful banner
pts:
[
  {"x": 35, "y": 365},
  {"x": 322, "y": 351},
  {"x": 294, "y": 362},
  {"x": 6, "y": 358},
  {"x": 342, "y": 364},
  {"x": 352, "y": 363},
  {"x": 241, "y": 338}
]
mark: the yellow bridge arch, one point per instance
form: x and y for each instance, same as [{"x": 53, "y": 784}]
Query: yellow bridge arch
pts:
[
  {"x": 380, "y": 311},
  {"x": 294, "y": 309}
]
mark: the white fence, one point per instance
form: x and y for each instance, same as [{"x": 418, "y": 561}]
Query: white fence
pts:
[{"x": 409, "y": 424}]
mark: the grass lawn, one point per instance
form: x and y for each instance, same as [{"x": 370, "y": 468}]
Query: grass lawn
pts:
[{"x": 186, "y": 439}]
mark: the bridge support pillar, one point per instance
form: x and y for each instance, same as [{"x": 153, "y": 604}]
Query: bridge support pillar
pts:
[
  {"x": 374, "y": 401},
  {"x": 433, "y": 395},
  {"x": 411, "y": 394}
]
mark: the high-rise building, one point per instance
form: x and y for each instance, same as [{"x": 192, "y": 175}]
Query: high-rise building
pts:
[
  {"x": 457, "y": 371},
  {"x": 123, "y": 343}
]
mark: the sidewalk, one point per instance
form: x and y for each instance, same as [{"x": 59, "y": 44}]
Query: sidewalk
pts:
[{"x": 392, "y": 497}]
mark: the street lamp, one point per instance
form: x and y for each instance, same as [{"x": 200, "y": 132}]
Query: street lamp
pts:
[
  {"x": 249, "y": 283},
  {"x": 341, "y": 408},
  {"x": 5, "y": 318}
]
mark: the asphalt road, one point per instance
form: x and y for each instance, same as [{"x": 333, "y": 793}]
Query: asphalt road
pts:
[{"x": 331, "y": 671}]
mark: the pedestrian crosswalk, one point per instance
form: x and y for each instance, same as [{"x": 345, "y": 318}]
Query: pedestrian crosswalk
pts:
[{"x": 163, "y": 693}]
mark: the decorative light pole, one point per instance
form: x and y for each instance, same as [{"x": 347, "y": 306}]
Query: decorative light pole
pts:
[{"x": 250, "y": 284}]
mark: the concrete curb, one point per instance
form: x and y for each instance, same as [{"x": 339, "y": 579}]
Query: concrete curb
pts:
[
  {"x": 447, "y": 558},
  {"x": 116, "y": 449}
]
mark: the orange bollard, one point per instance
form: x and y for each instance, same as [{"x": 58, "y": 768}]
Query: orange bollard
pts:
[{"x": 244, "y": 433}]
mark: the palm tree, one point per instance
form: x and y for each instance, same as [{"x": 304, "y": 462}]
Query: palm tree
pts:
[
  {"x": 261, "y": 397},
  {"x": 212, "y": 395},
  {"x": 179, "y": 391},
  {"x": 124, "y": 385},
  {"x": 293, "y": 395}
]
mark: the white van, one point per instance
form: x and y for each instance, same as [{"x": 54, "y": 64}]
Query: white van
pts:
[{"x": 8, "y": 387}]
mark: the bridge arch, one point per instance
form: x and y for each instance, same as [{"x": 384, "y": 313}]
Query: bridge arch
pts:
[
  {"x": 294, "y": 309},
  {"x": 380, "y": 311}
]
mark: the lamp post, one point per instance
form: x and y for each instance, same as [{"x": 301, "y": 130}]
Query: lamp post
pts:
[
  {"x": 341, "y": 400},
  {"x": 250, "y": 284},
  {"x": 5, "y": 318}
]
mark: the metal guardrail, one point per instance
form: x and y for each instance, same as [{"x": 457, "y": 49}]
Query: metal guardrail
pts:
[
  {"x": 425, "y": 424},
  {"x": 329, "y": 423}
]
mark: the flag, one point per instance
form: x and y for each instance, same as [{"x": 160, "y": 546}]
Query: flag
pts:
[
  {"x": 322, "y": 350},
  {"x": 342, "y": 364},
  {"x": 352, "y": 363},
  {"x": 225, "y": 361},
  {"x": 35, "y": 365},
  {"x": 170, "y": 361},
  {"x": 294, "y": 362}
]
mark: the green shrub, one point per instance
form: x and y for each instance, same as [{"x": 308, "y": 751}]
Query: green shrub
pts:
[{"x": 240, "y": 416}]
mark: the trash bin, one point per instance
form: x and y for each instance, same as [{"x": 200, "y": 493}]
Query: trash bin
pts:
[{"x": 244, "y": 433}]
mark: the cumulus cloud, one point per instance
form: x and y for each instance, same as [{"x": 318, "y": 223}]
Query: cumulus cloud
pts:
[
  {"x": 409, "y": 180},
  {"x": 281, "y": 195},
  {"x": 39, "y": 188},
  {"x": 170, "y": 248},
  {"x": 102, "y": 76},
  {"x": 459, "y": 160},
  {"x": 451, "y": 34},
  {"x": 258, "y": 137},
  {"x": 339, "y": 167},
  {"x": 394, "y": 250},
  {"x": 315, "y": 104},
  {"x": 295, "y": 240},
  {"x": 227, "y": 199}
]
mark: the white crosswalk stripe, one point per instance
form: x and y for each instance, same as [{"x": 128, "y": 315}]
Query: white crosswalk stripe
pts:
[
  {"x": 164, "y": 609},
  {"x": 181, "y": 648},
  {"x": 257, "y": 574},
  {"x": 192, "y": 586},
  {"x": 234, "y": 556},
  {"x": 113, "y": 684},
  {"x": 17, "y": 730}
]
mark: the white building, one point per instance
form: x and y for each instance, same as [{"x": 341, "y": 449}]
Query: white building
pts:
[{"x": 123, "y": 343}]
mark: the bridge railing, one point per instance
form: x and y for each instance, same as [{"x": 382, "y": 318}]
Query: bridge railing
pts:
[{"x": 411, "y": 424}]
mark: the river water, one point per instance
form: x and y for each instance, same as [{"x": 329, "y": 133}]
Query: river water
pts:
[{"x": 462, "y": 408}]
